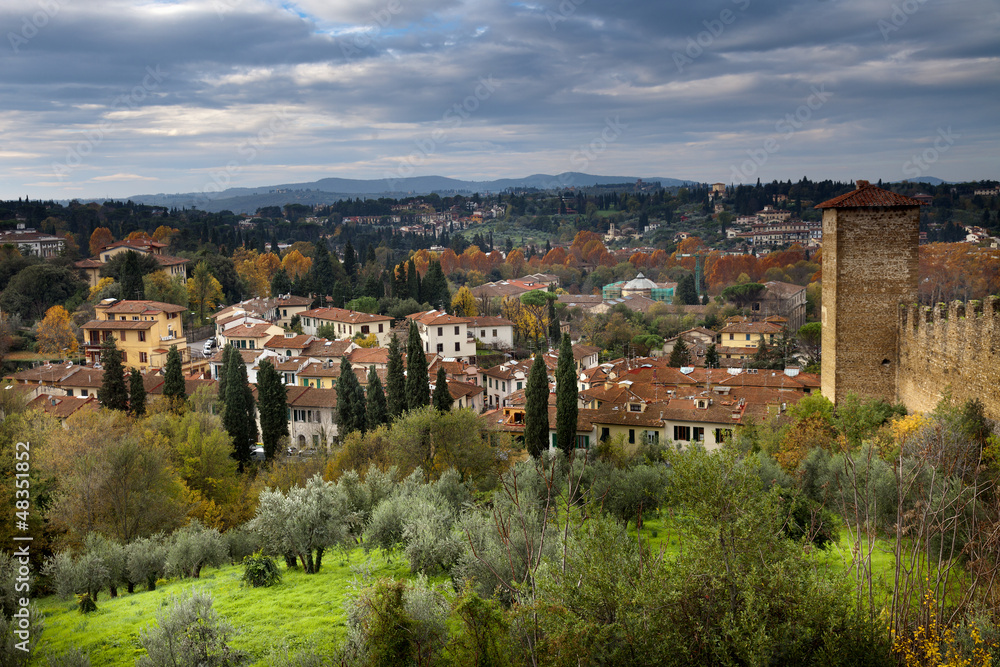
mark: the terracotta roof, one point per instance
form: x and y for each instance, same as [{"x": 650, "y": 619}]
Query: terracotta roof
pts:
[
  {"x": 45, "y": 374},
  {"x": 311, "y": 397},
  {"x": 463, "y": 389},
  {"x": 135, "y": 307},
  {"x": 300, "y": 341},
  {"x": 435, "y": 317},
  {"x": 866, "y": 195},
  {"x": 344, "y": 315},
  {"x": 751, "y": 328},
  {"x": 88, "y": 264},
  {"x": 248, "y": 331},
  {"x": 323, "y": 348},
  {"x": 169, "y": 260},
  {"x": 369, "y": 355},
  {"x": 134, "y": 243},
  {"x": 63, "y": 406}
]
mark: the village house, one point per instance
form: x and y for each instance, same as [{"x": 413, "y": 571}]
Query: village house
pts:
[
  {"x": 32, "y": 242},
  {"x": 144, "y": 331},
  {"x": 173, "y": 266},
  {"x": 347, "y": 323},
  {"x": 496, "y": 332},
  {"x": 445, "y": 335}
]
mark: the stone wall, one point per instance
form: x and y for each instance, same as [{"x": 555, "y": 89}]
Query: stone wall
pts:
[
  {"x": 954, "y": 346},
  {"x": 870, "y": 266}
]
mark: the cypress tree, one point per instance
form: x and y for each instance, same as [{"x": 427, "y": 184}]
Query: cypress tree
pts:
[
  {"x": 418, "y": 384},
  {"x": 136, "y": 394},
  {"x": 131, "y": 277},
  {"x": 351, "y": 407},
  {"x": 280, "y": 283},
  {"x": 242, "y": 430},
  {"x": 395, "y": 381},
  {"x": 112, "y": 394},
  {"x": 227, "y": 352},
  {"x": 173, "y": 379},
  {"x": 435, "y": 286},
  {"x": 413, "y": 281},
  {"x": 679, "y": 355},
  {"x": 350, "y": 262},
  {"x": 566, "y": 398},
  {"x": 554, "y": 332},
  {"x": 536, "y": 409},
  {"x": 377, "y": 411},
  {"x": 711, "y": 357},
  {"x": 322, "y": 274},
  {"x": 442, "y": 397},
  {"x": 273, "y": 407}
]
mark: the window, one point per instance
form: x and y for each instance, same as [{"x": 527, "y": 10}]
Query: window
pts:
[
  {"x": 494, "y": 333},
  {"x": 504, "y": 387},
  {"x": 84, "y": 393},
  {"x": 605, "y": 433},
  {"x": 491, "y": 383},
  {"x": 440, "y": 347},
  {"x": 253, "y": 345},
  {"x": 699, "y": 434},
  {"x": 634, "y": 407},
  {"x": 631, "y": 436},
  {"x": 299, "y": 415},
  {"x": 123, "y": 318},
  {"x": 123, "y": 336},
  {"x": 380, "y": 325},
  {"x": 458, "y": 347},
  {"x": 519, "y": 385},
  {"x": 440, "y": 331},
  {"x": 722, "y": 433},
  {"x": 456, "y": 330},
  {"x": 143, "y": 358},
  {"x": 284, "y": 313},
  {"x": 682, "y": 433},
  {"x": 482, "y": 334},
  {"x": 69, "y": 392},
  {"x": 583, "y": 442},
  {"x": 652, "y": 437},
  {"x": 748, "y": 336},
  {"x": 135, "y": 318},
  {"x": 315, "y": 440},
  {"x": 730, "y": 336},
  {"x": 142, "y": 336},
  {"x": 364, "y": 329}
]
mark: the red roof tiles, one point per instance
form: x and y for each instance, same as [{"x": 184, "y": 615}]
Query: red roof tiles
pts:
[{"x": 866, "y": 195}]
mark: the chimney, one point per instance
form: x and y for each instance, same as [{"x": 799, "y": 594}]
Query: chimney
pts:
[{"x": 858, "y": 184}]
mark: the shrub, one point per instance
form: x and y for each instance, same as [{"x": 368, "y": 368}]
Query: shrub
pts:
[
  {"x": 260, "y": 570},
  {"x": 241, "y": 542},
  {"x": 71, "y": 658},
  {"x": 190, "y": 633}
]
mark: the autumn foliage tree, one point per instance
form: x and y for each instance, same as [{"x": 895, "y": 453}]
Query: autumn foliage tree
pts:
[
  {"x": 100, "y": 238},
  {"x": 55, "y": 333}
]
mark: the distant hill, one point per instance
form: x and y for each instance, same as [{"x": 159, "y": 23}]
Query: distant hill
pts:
[
  {"x": 330, "y": 190},
  {"x": 929, "y": 180}
]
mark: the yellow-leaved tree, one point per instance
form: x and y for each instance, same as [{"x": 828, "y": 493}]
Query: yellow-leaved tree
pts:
[
  {"x": 204, "y": 291},
  {"x": 55, "y": 333},
  {"x": 463, "y": 304}
]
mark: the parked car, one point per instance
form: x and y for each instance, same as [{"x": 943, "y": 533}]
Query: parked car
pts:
[
  {"x": 209, "y": 345},
  {"x": 258, "y": 453}
]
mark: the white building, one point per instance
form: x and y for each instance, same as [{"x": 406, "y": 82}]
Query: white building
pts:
[
  {"x": 495, "y": 331},
  {"x": 445, "y": 334}
]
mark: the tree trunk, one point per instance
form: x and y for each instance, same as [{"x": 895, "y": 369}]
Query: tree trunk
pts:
[
  {"x": 130, "y": 587},
  {"x": 290, "y": 561},
  {"x": 319, "y": 559},
  {"x": 113, "y": 591}
]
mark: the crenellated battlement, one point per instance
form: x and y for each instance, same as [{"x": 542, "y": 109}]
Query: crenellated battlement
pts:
[
  {"x": 982, "y": 312},
  {"x": 954, "y": 345}
]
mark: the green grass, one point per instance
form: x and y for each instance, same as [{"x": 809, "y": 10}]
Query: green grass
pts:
[{"x": 303, "y": 611}]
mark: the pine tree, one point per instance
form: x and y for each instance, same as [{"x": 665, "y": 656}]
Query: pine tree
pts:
[
  {"x": 687, "y": 294},
  {"x": 136, "y": 394},
  {"x": 238, "y": 413},
  {"x": 351, "y": 408},
  {"x": 711, "y": 357},
  {"x": 377, "y": 411},
  {"x": 418, "y": 390},
  {"x": 679, "y": 355},
  {"x": 273, "y": 407},
  {"x": 112, "y": 393},
  {"x": 566, "y": 398},
  {"x": 442, "y": 397},
  {"x": 395, "y": 381},
  {"x": 435, "y": 286},
  {"x": 536, "y": 409},
  {"x": 173, "y": 379}
]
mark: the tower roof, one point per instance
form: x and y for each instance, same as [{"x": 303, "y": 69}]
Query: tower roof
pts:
[{"x": 866, "y": 195}]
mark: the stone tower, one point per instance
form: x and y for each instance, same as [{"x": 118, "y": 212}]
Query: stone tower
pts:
[{"x": 870, "y": 239}]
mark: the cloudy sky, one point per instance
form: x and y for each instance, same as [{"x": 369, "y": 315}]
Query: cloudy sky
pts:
[{"x": 121, "y": 97}]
